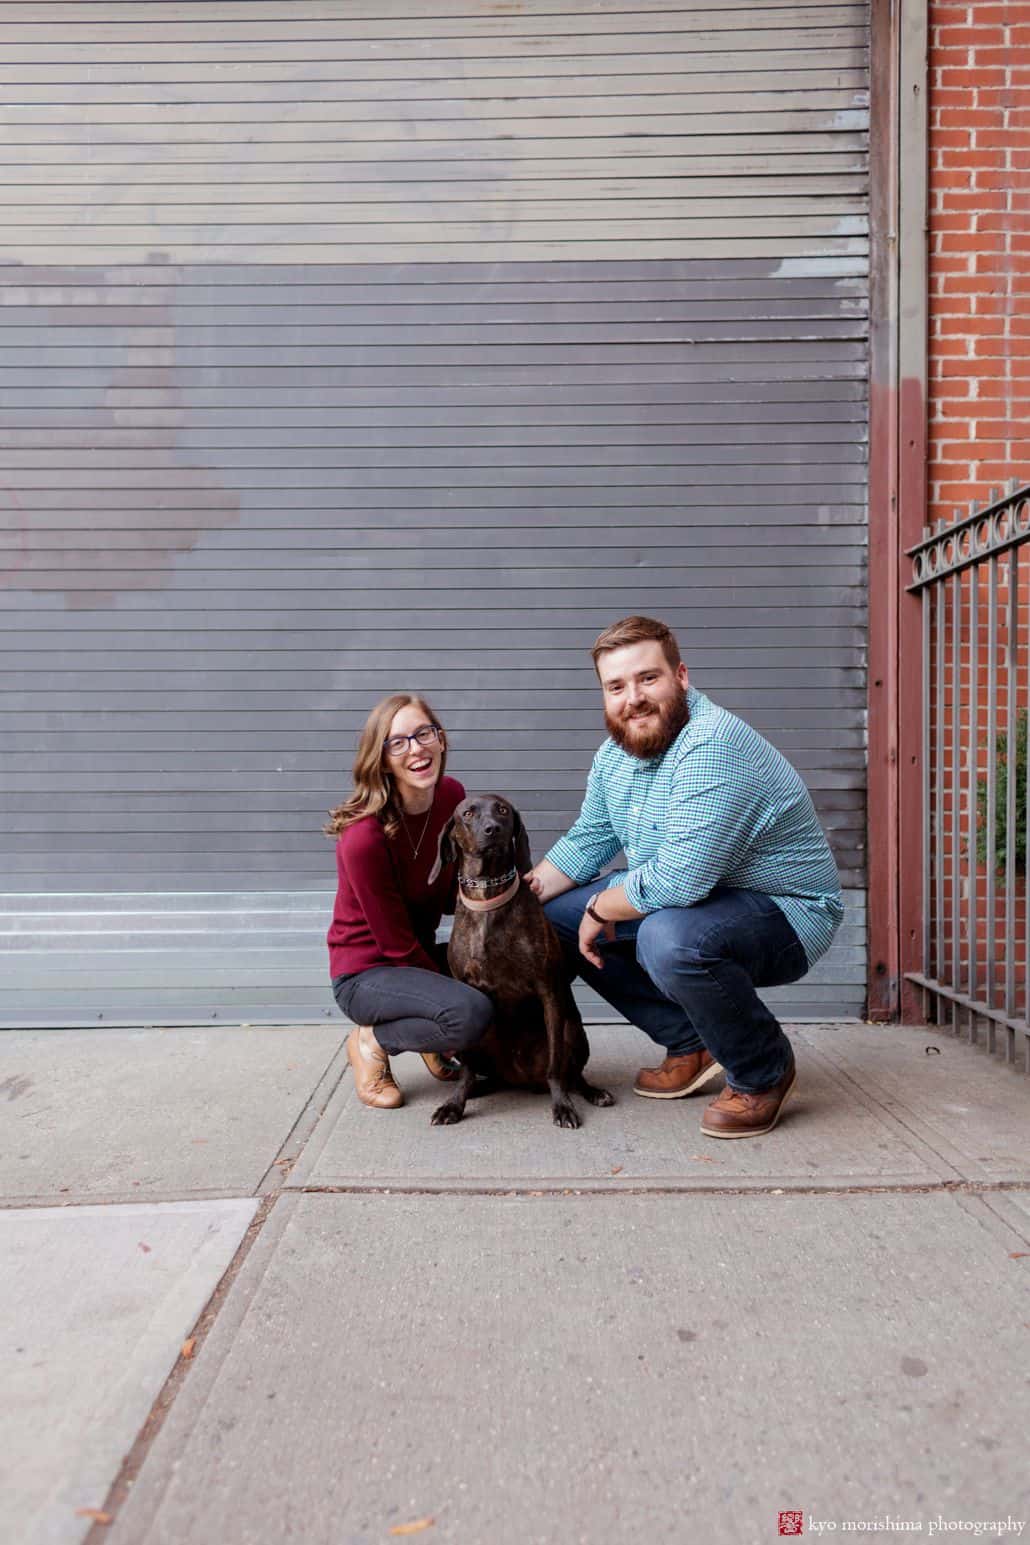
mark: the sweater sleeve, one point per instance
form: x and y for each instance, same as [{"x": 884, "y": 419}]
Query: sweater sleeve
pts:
[{"x": 366, "y": 861}]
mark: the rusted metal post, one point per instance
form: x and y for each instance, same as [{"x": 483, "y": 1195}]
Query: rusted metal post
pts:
[
  {"x": 972, "y": 923},
  {"x": 1011, "y": 759},
  {"x": 992, "y": 790},
  {"x": 955, "y": 786},
  {"x": 897, "y": 499}
]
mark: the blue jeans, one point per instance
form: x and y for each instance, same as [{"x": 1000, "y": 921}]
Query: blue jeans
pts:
[{"x": 687, "y": 976}]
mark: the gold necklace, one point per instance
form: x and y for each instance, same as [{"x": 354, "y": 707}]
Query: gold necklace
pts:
[{"x": 425, "y": 827}]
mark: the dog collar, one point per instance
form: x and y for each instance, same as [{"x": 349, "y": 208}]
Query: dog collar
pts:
[
  {"x": 483, "y": 882},
  {"x": 490, "y": 904}
]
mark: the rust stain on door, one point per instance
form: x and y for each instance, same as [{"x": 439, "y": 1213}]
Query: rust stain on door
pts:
[{"x": 90, "y": 540}]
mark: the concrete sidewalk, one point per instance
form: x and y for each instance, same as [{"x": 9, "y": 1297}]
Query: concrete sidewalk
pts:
[{"x": 504, "y": 1332}]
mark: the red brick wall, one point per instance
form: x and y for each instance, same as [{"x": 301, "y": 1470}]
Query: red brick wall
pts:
[{"x": 979, "y": 304}]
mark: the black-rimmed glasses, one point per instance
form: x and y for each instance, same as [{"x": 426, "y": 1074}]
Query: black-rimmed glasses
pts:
[{"x": 396, "y": 745}]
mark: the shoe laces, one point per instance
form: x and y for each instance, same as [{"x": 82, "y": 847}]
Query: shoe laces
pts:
[{"x": 747, "y": 1098}]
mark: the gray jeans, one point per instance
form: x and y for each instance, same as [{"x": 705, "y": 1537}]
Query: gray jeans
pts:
[{"x": 414, "y": 1010}]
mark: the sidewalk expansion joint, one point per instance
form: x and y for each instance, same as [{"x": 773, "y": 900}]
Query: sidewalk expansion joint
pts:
[
  {"x": 127, "y": 1199},
  {"x": 269, "y": 1188},
  {"x": 546, "y": 1188},
  {"x": 299, "y": 1135},
  {"x": 121, "y": 1486}
]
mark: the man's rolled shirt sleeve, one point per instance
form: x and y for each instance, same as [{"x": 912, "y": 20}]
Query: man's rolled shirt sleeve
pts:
[
  {"x": 713, "y": 817},
  {"x": 591, "y": 842}
]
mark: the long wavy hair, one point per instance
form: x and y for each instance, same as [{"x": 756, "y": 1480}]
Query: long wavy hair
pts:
[{"x": 373, "y": 792}]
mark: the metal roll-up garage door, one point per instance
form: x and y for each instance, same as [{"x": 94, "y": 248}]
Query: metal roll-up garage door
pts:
[{"x": 356, "y": 346}]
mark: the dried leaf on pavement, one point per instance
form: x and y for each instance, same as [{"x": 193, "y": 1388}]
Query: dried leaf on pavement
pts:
[
  {"x": 97, "y": 1515},
  {"x": 415, "y": 1527},
  {"x": 188, "y": 1346}
]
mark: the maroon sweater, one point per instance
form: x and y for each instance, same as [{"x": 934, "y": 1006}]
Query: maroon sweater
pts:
[{"x": 386, "y": 912}]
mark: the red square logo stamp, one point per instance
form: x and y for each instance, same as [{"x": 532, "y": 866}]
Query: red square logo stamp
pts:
[{"x": 792, "y": 1523}]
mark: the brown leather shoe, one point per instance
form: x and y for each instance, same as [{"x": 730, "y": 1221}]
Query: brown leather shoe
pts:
[
  {"x": 677, "y": 1076},
  {"x": 373, "y": 1081},
  {"x": 736, "y": 1114},
  {"x": 439, "y": 1067}
]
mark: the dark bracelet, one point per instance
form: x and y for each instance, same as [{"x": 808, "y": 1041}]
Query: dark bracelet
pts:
[{"x": 595, "y": 915}]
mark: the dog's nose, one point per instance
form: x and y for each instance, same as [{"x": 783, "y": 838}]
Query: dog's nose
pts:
[{"x": 490, "y": 828}]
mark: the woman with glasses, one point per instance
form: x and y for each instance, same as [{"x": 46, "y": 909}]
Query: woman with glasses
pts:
[{"x": 389, "y": 976}]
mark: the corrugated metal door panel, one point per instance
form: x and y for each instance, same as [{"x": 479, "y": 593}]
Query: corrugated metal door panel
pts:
[
  {"x": 132, "y": 958},
  {"x": 393, "y": 349}
]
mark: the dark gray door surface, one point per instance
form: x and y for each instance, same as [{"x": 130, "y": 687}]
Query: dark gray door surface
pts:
[{"x": 357, "y": 346}]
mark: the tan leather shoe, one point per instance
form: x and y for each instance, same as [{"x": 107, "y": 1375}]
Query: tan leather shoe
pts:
[
  {"x": 373, "y": 1081},
  {"x": 677, "y": 1076},
  {"x": 438, "y": 1067},
  {"x": 736, "y": 1114}
]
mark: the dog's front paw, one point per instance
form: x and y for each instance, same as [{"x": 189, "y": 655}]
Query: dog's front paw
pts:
[
  {"x": 595, "y": 1096},
  {"x": 565, "y": 1114},
  {"x": 446, "y": 1115}
]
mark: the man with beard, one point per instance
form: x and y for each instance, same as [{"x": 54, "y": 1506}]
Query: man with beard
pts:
[{"x": 730, "y": 884}]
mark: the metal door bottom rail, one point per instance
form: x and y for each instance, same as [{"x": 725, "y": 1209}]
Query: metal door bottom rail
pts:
[{"x": 981, "y": 1010}]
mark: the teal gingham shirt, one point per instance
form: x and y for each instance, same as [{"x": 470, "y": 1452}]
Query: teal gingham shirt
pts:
[{"x": 720, "y": 807}]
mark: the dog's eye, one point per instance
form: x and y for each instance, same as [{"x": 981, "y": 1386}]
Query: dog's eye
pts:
[{"x": 502, "y": 809}]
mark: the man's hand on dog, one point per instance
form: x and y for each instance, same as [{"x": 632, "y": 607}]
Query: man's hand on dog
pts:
[{"x": 546, "y": 881}]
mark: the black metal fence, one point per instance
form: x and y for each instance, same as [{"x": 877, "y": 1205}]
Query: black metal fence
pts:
[{"x": 976, "y": 880}]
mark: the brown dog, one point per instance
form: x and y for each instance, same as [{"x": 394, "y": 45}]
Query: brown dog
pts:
[{"x": 503, "y": 944}]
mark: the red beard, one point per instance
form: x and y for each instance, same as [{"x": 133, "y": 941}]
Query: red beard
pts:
[{"x": 653, "y": 737}]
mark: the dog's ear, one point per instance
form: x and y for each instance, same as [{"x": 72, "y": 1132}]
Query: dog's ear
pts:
[
  {"x": 520, "y": 843},
  {"x": 445, "y": 851}
]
